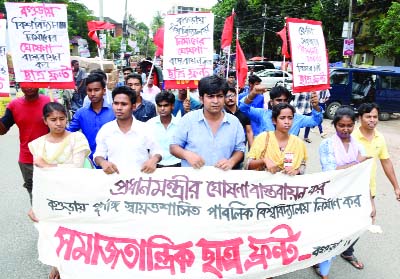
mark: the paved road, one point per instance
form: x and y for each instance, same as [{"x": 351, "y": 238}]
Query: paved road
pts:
[{"x": 18, "y": 254}]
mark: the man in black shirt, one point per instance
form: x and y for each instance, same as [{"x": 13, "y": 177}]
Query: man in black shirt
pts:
[{"x": 232, "y": 108}]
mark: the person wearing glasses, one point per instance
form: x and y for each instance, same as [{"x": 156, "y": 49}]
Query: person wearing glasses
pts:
[
  {"x": 279, "y": 94},
  {"x": 232, "y": 108}
]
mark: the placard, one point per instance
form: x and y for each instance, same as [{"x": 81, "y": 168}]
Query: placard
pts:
[
  {"x": 188, "y": 46},
  {"x": 39, "y": 42},
  {"x": 4, "y": 75},
  {"x": 309, "y": 55}
]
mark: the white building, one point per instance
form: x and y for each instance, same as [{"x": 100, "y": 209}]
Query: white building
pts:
[{"x": 188, "y": 6}]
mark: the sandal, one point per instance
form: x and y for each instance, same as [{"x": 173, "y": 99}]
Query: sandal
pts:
[
  {"x": 353, "y": 261},
  {"x": 54, "y": 274},
  {"x": 307, "y": 140}
]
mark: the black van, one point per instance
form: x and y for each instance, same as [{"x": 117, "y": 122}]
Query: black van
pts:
[{"x": 354, "y": 86}]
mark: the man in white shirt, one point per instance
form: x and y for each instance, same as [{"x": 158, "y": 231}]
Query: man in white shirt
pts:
[
  {"x": 126, "y": 144},
  {"x": 150, "y": 90},
  {"x": 164, "y": 126}
]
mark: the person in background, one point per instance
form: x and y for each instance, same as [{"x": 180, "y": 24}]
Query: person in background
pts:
[
  {"x": 107, "y": 96},
  {"x": 58, "y": 148},
  {"x": 323, "y": 98},
  {"x": 232, "y": 79},
  {"x": 210, "y": 136},
  {"x": 341, "y": 151},
  {"x": 150, "y": 90},
  {"x": 89, "y": 119},
  {"x": 26, "y": 113},
  {"x": 125, "y": 72},
  {"x": 303, "y": 106},
  {"x": 143, "y": 109},
  {"x": 126, "y": 144},
  {"x": 164, "y": 126},
  {"x": 279, "y": 151},
  {"x": 139, "y": 71},
  {"x": 258, "y": 101},
  {"x": 375, "y": 147},
  {"x": 278, "y": 94},
  {"x": 183, "y": 105},
  {"x": 80, "y": 90},
  {"x": 232, "y": 108}
]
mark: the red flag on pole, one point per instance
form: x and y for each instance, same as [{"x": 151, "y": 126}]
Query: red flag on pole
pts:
[
  {"x": 241, "y": 66},
  {"x": 282, "y": 34},
  {"x": 227, "y": 33},
  {"x": 94, "y": 26},
  {"x": 159, "y": 41}
]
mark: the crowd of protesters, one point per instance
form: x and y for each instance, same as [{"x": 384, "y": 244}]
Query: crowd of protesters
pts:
[{"x": 138, "y": 125}]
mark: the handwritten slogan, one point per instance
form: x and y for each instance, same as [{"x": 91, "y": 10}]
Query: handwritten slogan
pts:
[
  {"x": 185, "y": 223},
  {"x": 309, "y": 56},
  {"x": 39, "y": 42},
  {"x": 4, "y": 78},
  {"x": 188, "y": 46}
]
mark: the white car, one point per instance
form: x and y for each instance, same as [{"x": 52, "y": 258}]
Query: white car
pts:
[{"x": 271, "y": 78}]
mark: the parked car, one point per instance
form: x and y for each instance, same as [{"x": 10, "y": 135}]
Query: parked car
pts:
[
  {"x": 354, "y": 86},
  {"x": 271, "y": 78},
  {"x": 260, "y": 65}
]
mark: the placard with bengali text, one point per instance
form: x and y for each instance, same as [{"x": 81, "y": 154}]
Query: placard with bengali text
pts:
[
  {"x": 4, "y": 77},
  {"x": 188, "y": 46},
  {"x": 309, "y": 55},
  {"x": 39, "y": 42}
]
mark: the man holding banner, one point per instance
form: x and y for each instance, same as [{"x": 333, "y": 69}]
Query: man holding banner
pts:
[{"x": 209, "y": 137}]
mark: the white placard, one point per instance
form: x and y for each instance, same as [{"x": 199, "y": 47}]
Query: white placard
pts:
[
  {"x": 184, "y": 223},
  {"x": 39, "y": 42},
  {"x": 4, "y": 77},
  {"x": 188, "y": 46},
  {"x": 309, "y": 56}
]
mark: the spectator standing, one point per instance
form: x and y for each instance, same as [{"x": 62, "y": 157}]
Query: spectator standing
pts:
[
  {"x": 125, "y": 72},
  {"x": 80, "y": 91},
  {"x": 303, "y": 106},
  {"x": 150, "y": 90}
]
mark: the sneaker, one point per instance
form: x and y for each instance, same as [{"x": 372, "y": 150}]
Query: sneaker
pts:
[
  {"x": 323, "y": 135},
  {"x": 307, "y": 140}
]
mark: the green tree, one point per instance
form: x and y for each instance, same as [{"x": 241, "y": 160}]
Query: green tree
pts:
[{"x": 388, "y": 29}]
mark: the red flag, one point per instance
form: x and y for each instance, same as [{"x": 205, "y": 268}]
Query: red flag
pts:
[
  {"x": 94, "y": 25},
  {"x": 159, "y": 41},
  {"x": 282, "y": 34},
  {"x": 241, "y": 66},
  {"x": 227, "y": 33}
]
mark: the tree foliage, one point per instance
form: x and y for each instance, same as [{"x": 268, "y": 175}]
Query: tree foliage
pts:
[{"x": 388, "y": 29}]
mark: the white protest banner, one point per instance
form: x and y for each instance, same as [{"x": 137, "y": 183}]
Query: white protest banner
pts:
[
  {"x": 4, "y": 78},
  {"x": 188, "y": 46},
  {"x": 186, "y": 223},
  {"x": 309, "y": 55},
  {"x": 39, "y": 42}
]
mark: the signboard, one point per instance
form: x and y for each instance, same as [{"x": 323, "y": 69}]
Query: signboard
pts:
[
  {"x": 185, "y": 223},
  {"x": 309, "y": 55},
  {"x": 39, "y": 42},
  {"x": 103, "y": 40},
  {"x": 348, "y": 47},
  {"x": 345, "y": 30},
  {"x": 83, "y": 48},
  {"x": 188, "y": 47}
]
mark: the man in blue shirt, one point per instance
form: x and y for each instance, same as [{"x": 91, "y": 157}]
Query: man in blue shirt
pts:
[
  {"x": 183, "y": 105},
  {"x": 279, "y": 94},
  {"x": 209, "y": 136},
  {"x": 91, "y": 118},
  {"x": 144, "y": 110}
]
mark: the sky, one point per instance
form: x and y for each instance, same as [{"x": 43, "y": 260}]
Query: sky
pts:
[{"x": 141, "y": 10}]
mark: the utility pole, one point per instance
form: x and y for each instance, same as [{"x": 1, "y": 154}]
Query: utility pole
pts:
[
  {"x": 265, "y": 21},
  {"x": 348, "y": 62}
]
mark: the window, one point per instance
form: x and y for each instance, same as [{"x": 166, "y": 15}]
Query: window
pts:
[
  {"x": 338, "y": 77},
  {"x": 390, "y": 82}
]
